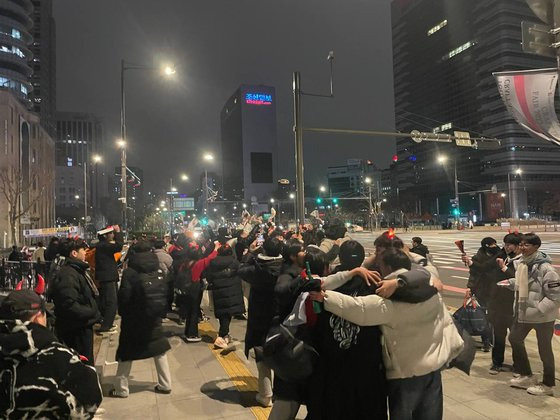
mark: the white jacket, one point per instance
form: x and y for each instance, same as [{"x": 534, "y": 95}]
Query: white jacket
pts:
[{"x": 418, "y": 338}]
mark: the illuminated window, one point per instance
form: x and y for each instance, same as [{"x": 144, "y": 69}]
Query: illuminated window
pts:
[
  {"x": 23, "y": 89},
  {"x": 436, "y": 28},
  {"x": 458, "y": 50},
  {"x": 443, "y": 127},
  {"x": 16, "y": 34}
]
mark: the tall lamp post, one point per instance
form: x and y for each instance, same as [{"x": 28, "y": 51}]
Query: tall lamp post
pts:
[
  {"x": 167, "y": 71},
  {"x": 442, "y": 159},
  {"x": 293, "y": 198},
  {"x": 368, "y": 182},
  {"x": 518, "y": 171},
  {"x": 172, "y": 189},
  {"x": 94, "y": 194},
  {"x": 208, "y": 157}
]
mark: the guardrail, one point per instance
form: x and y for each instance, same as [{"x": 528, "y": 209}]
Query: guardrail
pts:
[{"x": 12, "y": 272}]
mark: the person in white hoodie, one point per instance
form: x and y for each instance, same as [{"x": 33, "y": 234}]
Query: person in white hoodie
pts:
[{"x": 420, "y": 339}]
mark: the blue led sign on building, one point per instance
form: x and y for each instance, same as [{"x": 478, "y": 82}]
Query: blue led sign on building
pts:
[{"x": 258, "y": 99}]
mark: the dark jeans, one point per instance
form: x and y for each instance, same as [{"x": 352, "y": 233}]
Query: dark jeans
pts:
[
  {"x": 544, "y": 332},
  {"x": 501, "y": 324},
  {"x": 487, "y": 334},
  {"x": 189, "y": 308},
  {"x": 108, "y": 304},
  {"x": 416, "y": 398},
  {"x": 224, "y": 325},
  {"x": 80, "y": 340}
]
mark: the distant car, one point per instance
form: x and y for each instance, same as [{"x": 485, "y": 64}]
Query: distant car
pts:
[{"x": 355, "y": 228}]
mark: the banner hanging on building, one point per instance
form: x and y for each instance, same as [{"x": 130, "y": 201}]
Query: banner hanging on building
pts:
[{"x": 529, "y": 97}]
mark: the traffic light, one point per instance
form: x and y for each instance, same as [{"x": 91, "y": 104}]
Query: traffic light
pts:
[
  {"x": 204, "y": 221},
  {"x": 456, "y": 212},
  {"x": 335, "y": 200},
  {"x": 319, "y": 200}
]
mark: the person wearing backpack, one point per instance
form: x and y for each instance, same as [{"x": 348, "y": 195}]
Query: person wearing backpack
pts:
[
  {"x": 74, "y": 296},
  {"x": 142, "y": 303}
]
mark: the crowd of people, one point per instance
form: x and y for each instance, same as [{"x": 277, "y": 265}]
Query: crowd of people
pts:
[{"x": 329, "y": 327}]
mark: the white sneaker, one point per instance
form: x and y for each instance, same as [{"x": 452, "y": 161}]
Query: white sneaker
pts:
[
  {"x": 264, "y": 401},
  {"x": 522, "y": 382},
  {"x": 221, "y": 343},
  {"x": 540, "y": 389}
]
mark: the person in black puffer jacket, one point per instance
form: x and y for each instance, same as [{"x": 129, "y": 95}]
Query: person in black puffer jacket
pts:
[
  {"x": 261, "y": 273},
  {"x": 74, "y": 295},
  {"x": 39, "y": 377},
  {"x": 143, "y": 288},
  {"x": 225, "y": 285}
]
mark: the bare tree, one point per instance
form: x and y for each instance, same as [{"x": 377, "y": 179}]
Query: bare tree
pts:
[{"x": 13, "y": 187}]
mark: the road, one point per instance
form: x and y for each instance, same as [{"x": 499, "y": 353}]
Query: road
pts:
[{"x": 447, "y": 257}]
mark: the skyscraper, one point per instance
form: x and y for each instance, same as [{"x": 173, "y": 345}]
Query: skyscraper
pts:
[
  {"x": 43, "y": 78},
  {"x": 444, "y": 53},
  {"x": 79, "y": 138},
  {"x": 249, "y": 157}
]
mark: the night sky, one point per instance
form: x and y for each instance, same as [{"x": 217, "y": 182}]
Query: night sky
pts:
[{"x": 216, "y": 45}]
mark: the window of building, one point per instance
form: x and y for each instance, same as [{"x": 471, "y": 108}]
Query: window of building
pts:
[
  {"x": 458, "y": 50},
  {"x": 23, "y": 89},
  {"x": 16, "y": 34},
  {"x": 69, "y": 161},
  {"x": 436, "y": 28},
  {"x": 261, "y": 168}
]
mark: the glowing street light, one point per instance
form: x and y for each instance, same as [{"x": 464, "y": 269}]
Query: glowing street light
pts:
[
  {"x": 292, "y": 196},
  {"x": 208, "y": 157},
  {"x": 368, "y": 180},
  {"x": 96, "y": 158},
  {"x": 169, "y": 70},
  {"x": 322, "y": 188},
  {"x": 184, "y": 177},
  {"x": 121, "y": 143},
  {"x": 244, "y": 205},
  {"x": 442, "y": 159},
  {"x": 272, "y": 200}
]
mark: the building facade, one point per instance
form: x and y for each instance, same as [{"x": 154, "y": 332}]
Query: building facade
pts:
[
  {"x": 349, "y": 180},
  {"x": 444, "y": 54},
  {"x": 15, "y": 54},
  {"x": 43, "y": 64},
  {"x": 80, "y": 168},
  {"x": 27, "y": 172},
  {"x": 248, "y": 139}
]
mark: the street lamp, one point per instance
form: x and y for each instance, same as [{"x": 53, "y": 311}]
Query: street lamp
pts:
[
  {"x": 184, "y": 177},
  {"x": 442, "y": 159},
  {"x": 368, "y": 182},
  {"x": 208, "y": 157},
  {"x": 166, "y": 71},
  {"x": 518, "y": 171},
  {"x": 322, "y": 188}
]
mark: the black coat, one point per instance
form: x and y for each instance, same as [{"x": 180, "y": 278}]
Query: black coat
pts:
[
  {"x": 483, "y": 275},
  {"x": 141, "y": 335},
  {"x": 105, "y": 264},
  {"x": 72, "y": 292},
  {"x": 37, "y": 371},
  {"x": 349, "y": 379},
  {"x": 420, "y": 249},
  {"x": 225, "y": 284},
  {"x": 500, "y": 305},
  {"x": 261, "y": 273}
]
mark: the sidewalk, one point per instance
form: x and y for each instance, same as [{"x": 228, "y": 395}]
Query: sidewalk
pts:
[{"x": 210, "y": 384}]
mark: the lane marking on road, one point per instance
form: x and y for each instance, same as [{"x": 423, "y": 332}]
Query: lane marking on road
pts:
[
  {"x": 238, "y": 372},
  {"x": 454, "y": 289},
  {"x": 460, "y": 277}
]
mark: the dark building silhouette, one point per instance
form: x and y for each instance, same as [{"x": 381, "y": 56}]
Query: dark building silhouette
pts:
[{"x": 444, "y": 53}]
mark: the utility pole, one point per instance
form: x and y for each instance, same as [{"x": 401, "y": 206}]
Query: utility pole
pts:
[
  {"x": 85, "y": 196},
  {"x": 298, "y": 136}
]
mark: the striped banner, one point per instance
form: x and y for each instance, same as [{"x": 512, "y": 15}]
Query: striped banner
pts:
[{"x": 529, "y": 97}]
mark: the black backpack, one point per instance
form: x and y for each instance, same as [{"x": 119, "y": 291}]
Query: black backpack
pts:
[{"x": 153, "y": 294}]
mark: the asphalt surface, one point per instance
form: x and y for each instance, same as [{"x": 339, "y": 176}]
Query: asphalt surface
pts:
[{"x": 447, "y": 258}]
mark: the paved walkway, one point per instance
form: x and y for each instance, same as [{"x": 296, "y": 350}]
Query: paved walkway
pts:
[{"x": 210, "y": 384}]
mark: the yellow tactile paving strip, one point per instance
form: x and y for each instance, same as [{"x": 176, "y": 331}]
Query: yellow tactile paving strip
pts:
[{"x": 236, "y": 369}]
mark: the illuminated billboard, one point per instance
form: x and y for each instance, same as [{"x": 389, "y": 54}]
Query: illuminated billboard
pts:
[{"x": 258, "y": 98}]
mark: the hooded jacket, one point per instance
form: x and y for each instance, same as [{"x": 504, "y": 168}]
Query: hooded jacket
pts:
[
  {"x": 41, "y": 378},
  {"x": 261, "y": 273},
  {"x": 165, "y": 260},
  {"x": 141, "y": 335},
  {"x": 73, "y": 294},
  {"x": 225, "y": 284},
  {"x": 418, "y": 338},
  {"x": 544, "y": 292}
]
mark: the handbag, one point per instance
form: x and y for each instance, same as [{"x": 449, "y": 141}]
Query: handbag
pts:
[
  {"x": 471, "y": 316},
  {"x": 290, "y": 358}
]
